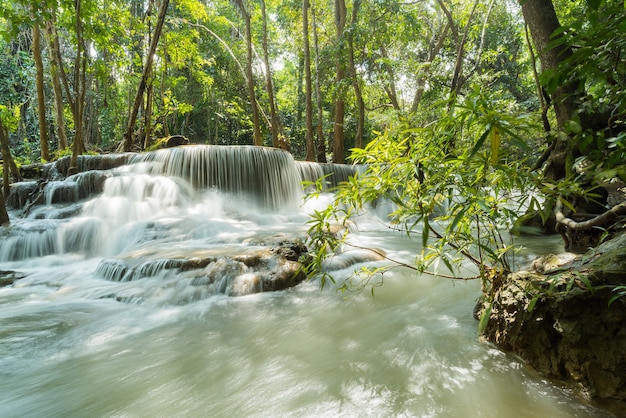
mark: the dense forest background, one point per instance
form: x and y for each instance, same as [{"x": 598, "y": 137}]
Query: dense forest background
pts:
[
  {"x": 351, "y": 69},
  {"x": 315, "y": 77}
]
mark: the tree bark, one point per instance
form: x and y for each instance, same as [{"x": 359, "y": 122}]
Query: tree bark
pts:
[
  {"x": 390, "y": 87},
  {"x": 127, "y": 143},
  {"x": 310, "y": 149},
  {"x": 543, "y": 22},
  {"x": 360, "y": 127},
  {"x": 4, "y": 191},
  {"x": 55, "y": 69},
  {"x": 461, "y": 41},
  {"x": 4, "y": 216},
  {"x": 8, "y": 162},
  {"x": 257, "y": 140},
  {"x": 338, "y": 131},
  {"x": 435, "y": 45},
  {"x": 147, "y": 116},
  {"x": 277, "y": 140},
  {"x": 41, "y": 97},
  {"x": 321, "y": 141},
  {"x": 80, "y": 74}
]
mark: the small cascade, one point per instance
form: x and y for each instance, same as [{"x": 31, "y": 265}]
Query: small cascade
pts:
[
  {"x": 65, "y": 191},
  {"x": 268, "y": 176},
  {"x": 84, "y": 163},
  {"x": 336, "y": 173}
]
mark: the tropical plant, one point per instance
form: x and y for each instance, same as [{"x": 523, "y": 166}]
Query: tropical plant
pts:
[{"x": 458, "y": 201}]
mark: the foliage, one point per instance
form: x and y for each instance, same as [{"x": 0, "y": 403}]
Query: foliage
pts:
[
  {"x": 456, "y": 201},
  {"x": 598, "y": 67}
]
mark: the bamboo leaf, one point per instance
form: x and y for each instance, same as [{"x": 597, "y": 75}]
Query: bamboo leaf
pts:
[
  {"x": 533, "y": 302},
  {"x": 495, "y": 145},
  {"x": 484, "y": 319}
]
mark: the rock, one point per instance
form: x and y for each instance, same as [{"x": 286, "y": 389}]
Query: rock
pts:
[
  {"x": 561, "y": 322},
  {"x": 7, "y": 278},
  {"x": 234, "y": 271},
  {"x": 176, "y": 140}
]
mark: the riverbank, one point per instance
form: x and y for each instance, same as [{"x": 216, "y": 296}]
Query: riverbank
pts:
[{"x": 563, "y": 320}]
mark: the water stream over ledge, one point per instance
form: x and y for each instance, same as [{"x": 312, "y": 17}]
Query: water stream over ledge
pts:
[{"x": 77, "y": 343}]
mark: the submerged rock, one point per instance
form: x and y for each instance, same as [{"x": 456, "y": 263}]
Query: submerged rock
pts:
[
  {"x": 562, "y": 324},
  {"x": 7, "y": 278}
]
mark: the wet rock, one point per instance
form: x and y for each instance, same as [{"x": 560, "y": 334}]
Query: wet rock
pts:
[
  {"x": 33, "y": 171},
  {"x": 562, "y": 324},
  {"x": 234, "y": 271},
  {"x": 60, "y": 167},
  {"x": 22, "y": 193},
  {"x": 7, "y": 278},
  {"x": 176, "y": 140}
]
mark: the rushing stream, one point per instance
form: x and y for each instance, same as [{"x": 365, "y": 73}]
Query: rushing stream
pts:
[{"x": 77, "y": 340}]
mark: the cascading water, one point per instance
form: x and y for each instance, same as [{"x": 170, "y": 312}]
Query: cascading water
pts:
[{"x": 115, "y": 305}]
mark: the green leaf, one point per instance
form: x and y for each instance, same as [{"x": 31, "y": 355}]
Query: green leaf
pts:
[
  {"x": 484, "y": 319},
  {"x": 595, "y": 4},
  {"x": 480, "y": 141},
  {"x": 533, "y": 302},
  {"x": 495, "y": 145}
]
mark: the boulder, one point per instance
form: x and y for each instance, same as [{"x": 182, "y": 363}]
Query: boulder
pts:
[
  {"x": 230, "y": 270},
  {"x": 566, "y": 322}
]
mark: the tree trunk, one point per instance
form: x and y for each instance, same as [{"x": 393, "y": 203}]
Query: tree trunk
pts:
[
  {"x": 8, "y": 162},
  {"x": 275, "y": 120},
  {"x": 41, "y": 97},
  {"x": 127, "y": 143},
  {"x": 390, "y": 88},
  {"x": 4, "y": 191},
  {"x": 80, "y": 71},
  {"x": 147, "y": 117},
  {"x": 457, "y": 78},
  {"x": 360, "y": 127},
  {"x": 435, "y": 45},
  {"x": 55, "y": 68},
  {"x": 4, "y": 216},
  {"x": 310, "y": 150},
  {"x": 338, "y": 132},
  {"x": 258, "y": 140},
  {"x": 543, "y": 23},
  {"x": 321, "y": 141}
]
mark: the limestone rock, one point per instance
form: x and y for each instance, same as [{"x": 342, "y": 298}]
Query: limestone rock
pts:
[{"x": 561, "y": 322}]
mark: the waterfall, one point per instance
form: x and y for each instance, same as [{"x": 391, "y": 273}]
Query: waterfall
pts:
[
  {"x": 189, "y": 193},
  {"x": 266, "y": 175},
  {"x": 334, "y": 173}
]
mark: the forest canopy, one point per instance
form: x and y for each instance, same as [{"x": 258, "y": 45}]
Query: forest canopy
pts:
[{"x": 539, "y": 83}]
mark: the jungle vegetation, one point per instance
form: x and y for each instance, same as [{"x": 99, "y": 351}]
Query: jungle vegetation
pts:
[{"x": 483, "y": 107}]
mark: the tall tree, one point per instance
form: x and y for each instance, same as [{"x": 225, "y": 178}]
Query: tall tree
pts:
[
  {"x": 360, "y": 126},
  {"x": 41, "y": 97},
  {"x": 338, "y": 130},
  {"x": 126, "y": 144},
  {"x": 80, "y": 87},
  {"x": 277, "y": 135},
  {"x": 310, "y": 149},
  {"x": 435, "y": 44},
  {"x": 55, "y": 75},
  {"x": 321, "y": 141},
  {"x": 6, "y": 167},
  {"x": 258, "y": 140},
  {"x": 544, "y": 26},
  {"x": 4, "y": 216}
]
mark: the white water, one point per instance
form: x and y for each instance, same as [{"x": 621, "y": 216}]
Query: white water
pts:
[{"x": 74, "y": 344}]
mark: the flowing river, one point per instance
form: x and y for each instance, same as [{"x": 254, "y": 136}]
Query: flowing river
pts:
[{"x": 76, "y": 343}]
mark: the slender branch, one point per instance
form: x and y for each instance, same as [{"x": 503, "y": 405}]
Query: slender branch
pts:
[{"x": 409, "y": 266}]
